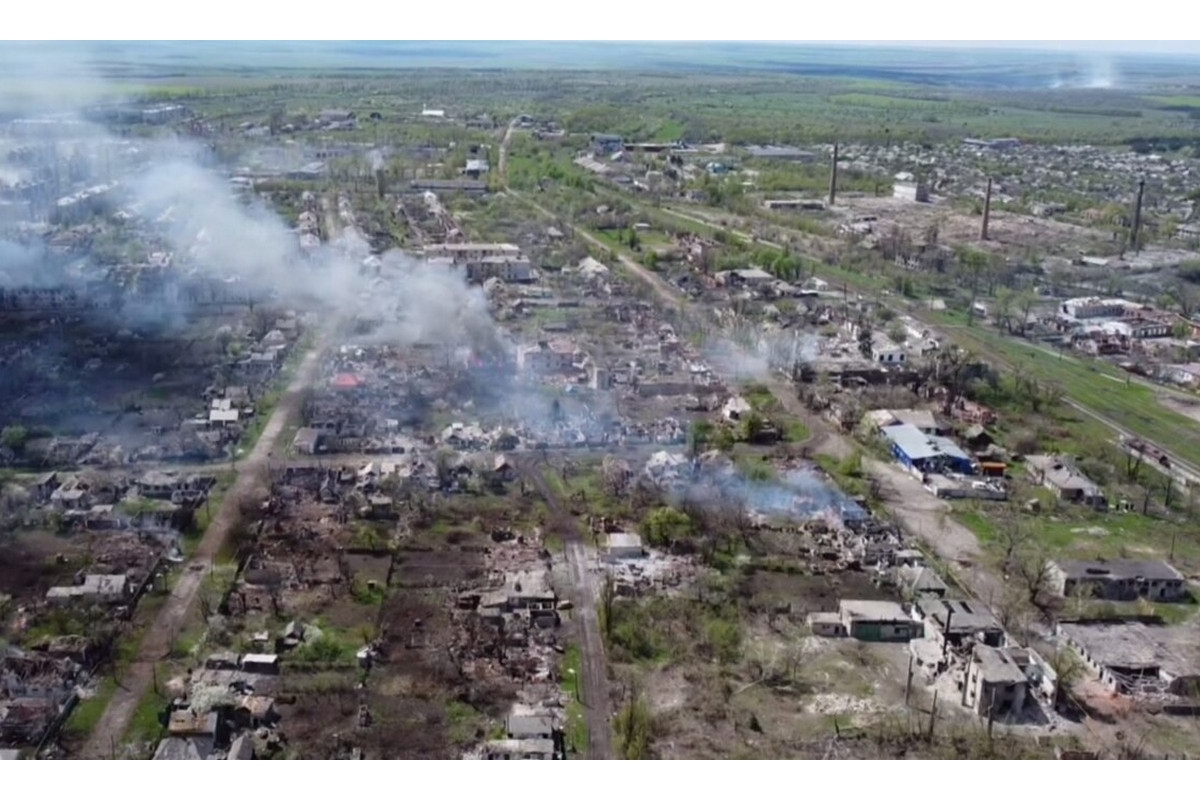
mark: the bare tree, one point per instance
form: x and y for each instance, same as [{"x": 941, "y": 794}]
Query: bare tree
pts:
[
  {"x": 1035, "y": 572},
  {"x": 608, "y": 596},
  {"x": 1013, "y": 535}
]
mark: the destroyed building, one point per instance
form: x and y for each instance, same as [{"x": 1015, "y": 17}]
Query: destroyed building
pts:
[
  {"x": 1060, "y": 476},
  {"x": 959, "y": 624},
  {"x": 1119, "y": 579},
  {"x": 36, "y": 691},
  {"x": 1136, "y": 658}
]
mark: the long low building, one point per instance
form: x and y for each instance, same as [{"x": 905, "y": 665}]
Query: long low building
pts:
[
  {"x": 1132, "y": 657},
  {"x": 1118, "y": 579},
  {"x": 868, "y": 621}
]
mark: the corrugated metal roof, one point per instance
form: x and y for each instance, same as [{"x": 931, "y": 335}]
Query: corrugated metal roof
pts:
[{"x": 917, "y": 445}]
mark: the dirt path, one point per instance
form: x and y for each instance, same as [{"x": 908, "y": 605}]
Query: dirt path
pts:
[
  {"x": 583, "y": 569},
  {"x": 252, "y": 474}
]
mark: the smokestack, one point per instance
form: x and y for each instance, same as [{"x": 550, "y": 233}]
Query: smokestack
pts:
[
  {"x": 987, "y": 211},
  {"x": 1137, "y": 218},
  {"x": 833, "y": 176}
]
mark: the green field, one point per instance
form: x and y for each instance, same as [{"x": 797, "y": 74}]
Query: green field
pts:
[
  {"x": 1097, "y": 386},
  {"x": 1176, "y": 100},
  {"x": 886, "y": 101}
]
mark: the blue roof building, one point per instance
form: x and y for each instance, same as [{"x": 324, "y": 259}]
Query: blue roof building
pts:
[{"x": 926, "y": 453}]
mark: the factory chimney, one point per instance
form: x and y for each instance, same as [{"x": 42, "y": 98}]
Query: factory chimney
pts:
[
  {"x": 1136, "y": 230},
  {"x": 833, "y": 176},
  {"x": 987, "y": 212}
]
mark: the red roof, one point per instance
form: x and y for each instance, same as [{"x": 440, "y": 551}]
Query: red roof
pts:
[{"x": 346, "y": 380}]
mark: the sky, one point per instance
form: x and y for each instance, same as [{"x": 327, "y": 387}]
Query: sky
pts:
[{"x": 1191, "y": 46}]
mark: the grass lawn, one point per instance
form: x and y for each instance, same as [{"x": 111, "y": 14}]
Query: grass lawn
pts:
[
  {"x": 576, "y": 731},
  {"x": 1079, "y": 533},
  {"x": 1095, "y": 385},
  {"x": 85, "y": 716},
  {"x": 145, "y": 729}
]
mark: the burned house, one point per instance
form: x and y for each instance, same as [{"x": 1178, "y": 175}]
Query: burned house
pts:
[
  {"x": 518, "y": 609},
  {"x": 1118, "y": 579},
  {"x": 960, "y": 624},
  {"x": 36, "y": 689},
  {"x": 994, "y": 685},
  {"x": 104, "y": 589},
  {"x": 530, "y": 735},
  {"x": 559, "y": 355},
  {"x": 920, "y": 581}
]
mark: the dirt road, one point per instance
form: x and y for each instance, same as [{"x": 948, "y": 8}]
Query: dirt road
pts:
[
  {"x": 252, "y": 474},
  {"x": 584, "y": 571},
  {"x": 922, "y": 515}
]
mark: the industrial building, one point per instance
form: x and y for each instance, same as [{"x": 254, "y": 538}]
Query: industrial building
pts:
[{"x": 923, "y": 453}]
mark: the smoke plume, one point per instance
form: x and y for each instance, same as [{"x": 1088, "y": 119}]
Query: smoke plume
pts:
[{"x": 180, "y": 202}]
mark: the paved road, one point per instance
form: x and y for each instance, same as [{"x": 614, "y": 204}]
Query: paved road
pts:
[{"x": 173, "y": 618}]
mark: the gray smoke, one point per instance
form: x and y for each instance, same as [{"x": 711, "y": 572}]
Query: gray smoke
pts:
[
  {"x": 752, "y": 352},
  {"x": 173, "y": 191},
  {"x": 21, "y": 264},
  {"x": 796, "y": 494}
]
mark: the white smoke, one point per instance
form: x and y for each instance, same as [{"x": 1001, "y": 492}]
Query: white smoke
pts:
[
  {"x": 214, "y": 233},
  {"x": 1102, "y": 75}
]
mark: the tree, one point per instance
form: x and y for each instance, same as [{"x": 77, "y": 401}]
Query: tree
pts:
[
  {"x": 1034, "y": 572},
  {"x": 634, "y": 241},
  {"x": 1014, "y": 535},
  {"x": 635, "y": 727},
  {"x": 608, "y": 596},
  {"x": 1069, "y": 669},
  {"x": 951, "y": 370},
  {"x": 1002, "y": 308},
  {"x": 666, "y": 525},
  {"x": 1184, "y": 296},
  {"x": 752, "y": 427},
  {"x": 700, "y": 435},
  {"x": 14, "y": 437},
  {"x": 974, "y": 263},
  {"x": 865, "y": 339}
]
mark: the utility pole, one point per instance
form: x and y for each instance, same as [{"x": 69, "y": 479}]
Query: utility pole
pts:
[
  {"x": 987, "y": 212},
  {"x": 1135, "y": 231},
  {"x": 833, "y": 176},
  {"x": 908, "y": 683},
  {"x": 932, "y": 715},
  {"x": 946, "y": 632}
]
